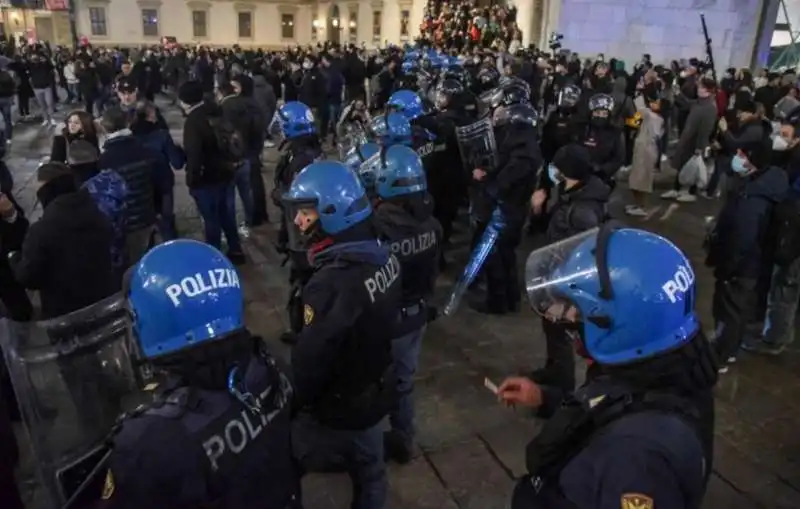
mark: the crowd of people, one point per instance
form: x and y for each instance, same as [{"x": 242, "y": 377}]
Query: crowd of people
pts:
[
  {"x": 366, "y": 237},
  {"x": 462, "y": 23}
]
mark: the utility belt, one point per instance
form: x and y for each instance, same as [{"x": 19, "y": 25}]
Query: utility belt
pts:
[{"x": 362, "y": 410}]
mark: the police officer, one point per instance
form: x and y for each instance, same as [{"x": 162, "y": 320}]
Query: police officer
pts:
[
  {"x": 603, "y": 139},
  {"x": 580, "y": 205},
  {"x": 640, "y": 431},
  {"x": 403, "y": 218},
  {"x": 508, "y": 186},
  {"x": 351, "y": 305},
  {"x": 300, "y": 146},
  {"x": 218, "y": 433},
  {"x": 450, "y": 181}
]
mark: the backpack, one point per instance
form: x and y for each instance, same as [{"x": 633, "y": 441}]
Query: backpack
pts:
[
  {"x": 784, "y": 229},
  {"x": 8, "y": 86},
  {"x": 109, "y": 192},
  {"x": 229, "y": 141}
]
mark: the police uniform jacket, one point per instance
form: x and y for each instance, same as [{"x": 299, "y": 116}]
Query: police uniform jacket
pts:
[
  {"x": 204, "y": 448},
  {"x": 351, "y": 309},
  {"x": 414, "y": 237}
]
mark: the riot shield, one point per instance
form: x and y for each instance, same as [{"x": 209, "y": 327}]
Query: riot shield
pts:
[
  {"x": 349, "y": 135},
  {"x": 476, "y": 260},
  {"x": 477, "y": 145},
  {"x": 368, "y": 171},
  {"x": 73, "y": 376}
]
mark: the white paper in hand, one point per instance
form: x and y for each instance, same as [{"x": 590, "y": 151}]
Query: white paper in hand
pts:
[{"x": 490, "y": 385}]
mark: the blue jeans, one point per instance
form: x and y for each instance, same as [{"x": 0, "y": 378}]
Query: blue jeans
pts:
[
  {"x": 214, "y": 205},
  {"x": 5, "y": 110},
  {"x": 243, "y": 185},
  {"x": 166, "y": 217},
  {"x": 405, "y": 355},
  {"x": 315, "y": 445}
]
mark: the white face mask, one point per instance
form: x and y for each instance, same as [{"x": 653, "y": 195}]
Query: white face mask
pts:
[
  {"x": 779, "y": 144},
  {"x": 684, "y": 74},
  {"x": 307, "y": 65},
  {"x": 477, "y": 60}
]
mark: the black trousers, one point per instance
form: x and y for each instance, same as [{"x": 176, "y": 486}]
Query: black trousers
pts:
[
  {"x": 502, "y": 275},
  {"x": 734, "y": 303},
  {"x": 260, "y": 214}
]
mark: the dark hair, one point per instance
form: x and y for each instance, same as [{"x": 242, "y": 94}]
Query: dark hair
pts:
[
  {"x": 114, "y": 120},
  {"x": 81, "y": 152}
]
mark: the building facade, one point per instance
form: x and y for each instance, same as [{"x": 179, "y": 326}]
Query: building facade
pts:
[{"x": 248, "y": 23}]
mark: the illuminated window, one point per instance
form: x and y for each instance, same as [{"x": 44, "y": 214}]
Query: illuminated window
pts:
[
  {"x": 287, "y": 26},
  {"x": 150, "y": 22}
]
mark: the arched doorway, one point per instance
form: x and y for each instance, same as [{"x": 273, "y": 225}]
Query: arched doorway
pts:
[{"x": 334, "y": 25}]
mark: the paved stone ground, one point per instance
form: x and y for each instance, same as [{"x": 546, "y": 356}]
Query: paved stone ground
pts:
[{"x": 469, "y": 449}]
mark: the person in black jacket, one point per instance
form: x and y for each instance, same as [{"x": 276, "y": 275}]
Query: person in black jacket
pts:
[
  {"x": 580, "y": 206},
  {"x": 66, "y": 255},
  {"x": 208, "y": 176},
  {"x": 139, "y": 167},
  {"x": 507, "y": 188},
  {"x": 13, "y": 227},
  {"x": 313, "y": 92},
  {"x": 79, "y": 126},
  {"x": 42, "y": 79}
]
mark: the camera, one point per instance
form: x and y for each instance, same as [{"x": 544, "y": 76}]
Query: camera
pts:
[{"x": 555, "y": 40}]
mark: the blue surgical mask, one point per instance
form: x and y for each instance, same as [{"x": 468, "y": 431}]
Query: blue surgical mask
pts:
[
  {"x": 738, "y": 165},
  {"x": 552, "y": 172}
]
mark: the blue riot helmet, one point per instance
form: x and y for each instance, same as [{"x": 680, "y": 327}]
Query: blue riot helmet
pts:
[
  {"x": 293, "y": 119},
  {"x": 400, "y": 173},
  {"x": 625, "y": 294},
  {"x": 181, "y": 294},
  {"x": 334, "y": 192},
  {"x": 391, "y": 129},
  {"x": 408, "y": 103}
]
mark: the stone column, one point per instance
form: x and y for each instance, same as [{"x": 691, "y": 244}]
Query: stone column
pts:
[{"x": 525, "y": 20}]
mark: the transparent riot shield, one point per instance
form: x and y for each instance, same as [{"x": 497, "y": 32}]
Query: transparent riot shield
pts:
[
  {"x": 349, "y": 135},
  {"x": 369, "y": 170},
  {"x": 477, "y": 145},
  {"x": 476, "y": 260},
  {"x": 73, "y": 377}
]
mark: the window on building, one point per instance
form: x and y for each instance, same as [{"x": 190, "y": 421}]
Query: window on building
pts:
[
  {"x": 245, "y": 25},
  {"x": 150, "y": 22},
  {"x": 287, "y": 26},
  {"x": 353, "y": 25},
  {"x": 97, "y": 19},
  {"x": 405, "y": 17},
  {"x": 376, "y": 25},
  {"x": 199, "y": 24}
]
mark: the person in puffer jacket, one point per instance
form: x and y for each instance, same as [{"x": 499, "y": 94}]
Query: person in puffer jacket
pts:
[
  {"x": 147, "y": 129},
  {"x": 140, "y": 167}
]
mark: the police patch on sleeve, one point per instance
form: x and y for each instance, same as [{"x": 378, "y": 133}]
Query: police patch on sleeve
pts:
[
  {"x": 636, "y": 501},
  {"x": 308, "y": 314},
  {"x": 108, "y": 485}
]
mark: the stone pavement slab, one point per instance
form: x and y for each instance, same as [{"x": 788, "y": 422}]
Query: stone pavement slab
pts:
[{"x": 468, "y": 448}]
